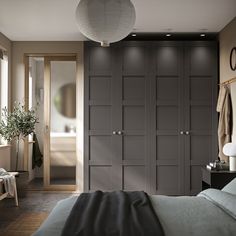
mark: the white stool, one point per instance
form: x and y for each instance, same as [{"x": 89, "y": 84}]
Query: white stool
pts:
[{"x": 4, "y": 195}]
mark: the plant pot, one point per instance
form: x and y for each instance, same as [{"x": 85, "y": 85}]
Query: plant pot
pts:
[{"x": 22, "y": 183}]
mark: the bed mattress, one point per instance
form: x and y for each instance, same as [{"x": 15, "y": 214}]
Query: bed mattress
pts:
[{"x": 211, "y": 213}]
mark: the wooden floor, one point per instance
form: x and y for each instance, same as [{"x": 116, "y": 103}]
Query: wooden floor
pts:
[
  {"x": 32, "y": 210},
  {"x": 37, "y": 183}
]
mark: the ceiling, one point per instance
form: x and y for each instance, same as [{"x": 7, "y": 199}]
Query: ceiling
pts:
[{"x": 43, "y": 20}]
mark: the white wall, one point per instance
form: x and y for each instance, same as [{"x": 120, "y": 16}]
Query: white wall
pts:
[
  {"x": 227, "y": 42},
  {"x": 18, "y": 76}
]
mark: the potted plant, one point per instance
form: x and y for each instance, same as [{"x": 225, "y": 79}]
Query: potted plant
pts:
[{"x": 17, "y": 125}]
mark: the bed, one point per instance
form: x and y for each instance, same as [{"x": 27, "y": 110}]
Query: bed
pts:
[{"x": 210, "y": 213}]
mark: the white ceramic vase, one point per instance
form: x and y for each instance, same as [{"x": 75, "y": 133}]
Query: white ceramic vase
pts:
[{"x": 232, "y": 163}]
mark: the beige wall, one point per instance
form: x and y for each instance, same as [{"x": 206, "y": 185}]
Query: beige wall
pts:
[
  {"x": 6, "y": 44},
  {"x": 227, "y": 42},
  {"x": 5, "y": 157},
  {"x": 18, "y": 76}
]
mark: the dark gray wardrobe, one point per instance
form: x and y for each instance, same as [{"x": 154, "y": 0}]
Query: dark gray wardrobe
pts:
[{"x": 150, "y": 120}]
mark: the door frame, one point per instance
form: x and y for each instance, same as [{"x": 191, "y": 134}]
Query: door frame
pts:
[{"x": 46, "y": 167}]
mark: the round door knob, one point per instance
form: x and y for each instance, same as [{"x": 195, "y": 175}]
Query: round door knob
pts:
[
  {"x": 114, "y": 132},
  {"x": 119, "y": 132},
  {"x": 182, "y": 132},
  {"x": 187, "y": 132}
]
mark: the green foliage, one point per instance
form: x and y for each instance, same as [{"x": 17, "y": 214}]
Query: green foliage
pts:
[{"x": 17, "y": 124}]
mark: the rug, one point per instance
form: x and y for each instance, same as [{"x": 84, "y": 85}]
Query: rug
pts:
[{"x": 26, "y": 224}]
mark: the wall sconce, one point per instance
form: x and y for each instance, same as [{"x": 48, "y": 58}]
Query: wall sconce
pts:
[{"x": 229, "y": 149}]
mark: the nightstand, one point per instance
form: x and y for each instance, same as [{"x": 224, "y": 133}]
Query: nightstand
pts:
[{"x": 216, "y": 179}]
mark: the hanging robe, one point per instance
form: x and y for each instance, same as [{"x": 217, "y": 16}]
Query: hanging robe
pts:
[
  {"x": 37, "y": 156},
  {"x": 224, "y": 107}
]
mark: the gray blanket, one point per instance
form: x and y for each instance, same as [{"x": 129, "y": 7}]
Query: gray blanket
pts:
[
  {"x": 211, "y": 213},
  {"x": 112, "y": 214}
]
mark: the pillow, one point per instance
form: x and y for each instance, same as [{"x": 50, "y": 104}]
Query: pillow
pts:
[{"x": 230, "y": 187}]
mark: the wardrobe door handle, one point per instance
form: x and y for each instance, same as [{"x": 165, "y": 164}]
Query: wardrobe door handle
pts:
[
  {"x": 181, "y": 132},
  {"x": 187, "y": 132},
  {"x": 119, "y": 132},
  {"x": 114, "y": 132}
]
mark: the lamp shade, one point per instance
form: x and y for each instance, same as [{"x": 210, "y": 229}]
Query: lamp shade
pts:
[
  {"x": 105, "y": 21},
  {"x": 229, "y": 149}
]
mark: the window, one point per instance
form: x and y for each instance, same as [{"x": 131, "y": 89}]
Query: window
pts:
[{"x": 3, "y": 82}]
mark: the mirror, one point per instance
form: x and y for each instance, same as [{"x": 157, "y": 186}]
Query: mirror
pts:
[{"x": 65, "y": 100}]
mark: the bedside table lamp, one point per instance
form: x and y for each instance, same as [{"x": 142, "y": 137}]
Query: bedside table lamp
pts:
[{"x": 229, "y": 149}]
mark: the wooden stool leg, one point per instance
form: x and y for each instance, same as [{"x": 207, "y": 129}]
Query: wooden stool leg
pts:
[{"x": 15, "y": 194}]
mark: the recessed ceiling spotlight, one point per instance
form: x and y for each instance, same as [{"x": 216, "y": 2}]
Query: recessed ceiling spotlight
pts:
[
  {"x": 133, "y": 35},
  {"x": 202, "y": 35},
  {"x": 168, "y": 35}
]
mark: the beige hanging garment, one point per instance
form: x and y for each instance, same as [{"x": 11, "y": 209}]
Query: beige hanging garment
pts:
[{"x": 224, "y": 107}]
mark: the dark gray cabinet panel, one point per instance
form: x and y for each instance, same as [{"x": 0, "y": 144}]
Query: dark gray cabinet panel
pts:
[
  {"x": 99, "y": 153},
  {"x": 133, "y": 107},
  {"x": 161, "y": 97},
  {"x": 117, "y": 97},
  {"x": 167, "y": 118},
  {"x": 183, "y": 116},
  {"x": 200, "y": 80}
]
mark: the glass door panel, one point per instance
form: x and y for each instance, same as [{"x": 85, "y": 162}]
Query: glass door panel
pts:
[
  {"x": 35, "y": 84},
  {"x": 61, "y": 119}
]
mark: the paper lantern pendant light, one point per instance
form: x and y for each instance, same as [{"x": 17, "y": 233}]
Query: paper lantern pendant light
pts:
[{"x": 105, "y": 21}]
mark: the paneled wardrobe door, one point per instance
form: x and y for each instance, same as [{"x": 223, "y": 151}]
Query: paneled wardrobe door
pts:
[
  {"x": 167, "y": 137},
  {"x": 116, "y": 117},
  {"x": 200, "y": 93},
  {"x": 99, "y": 139},
  {"x": 134, "y": 108}
]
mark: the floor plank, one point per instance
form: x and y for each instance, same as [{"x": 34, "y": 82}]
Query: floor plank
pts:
[{"x": 32, "y": 211}]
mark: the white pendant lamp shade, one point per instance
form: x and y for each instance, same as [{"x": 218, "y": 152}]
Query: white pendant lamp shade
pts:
[
  {"x": 229, "y": 149},
  {"x": 105, "y": 21}
]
